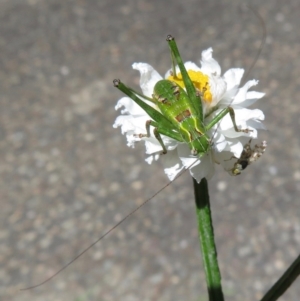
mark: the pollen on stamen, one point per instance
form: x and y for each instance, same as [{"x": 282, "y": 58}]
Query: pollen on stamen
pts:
[{"x": 200, "y": 81}]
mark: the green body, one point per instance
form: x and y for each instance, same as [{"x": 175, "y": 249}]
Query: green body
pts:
[
  {"x": 181, "y": 115},
  {"x": 175, "y": 105}
]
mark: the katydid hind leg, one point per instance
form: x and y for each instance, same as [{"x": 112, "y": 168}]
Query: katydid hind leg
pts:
[{"x": 193, "y": 95}]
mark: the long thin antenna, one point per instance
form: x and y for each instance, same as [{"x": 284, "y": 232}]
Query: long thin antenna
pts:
[
  {"x": 263, "y": 41},
  {"x": 110, "y": 230}
]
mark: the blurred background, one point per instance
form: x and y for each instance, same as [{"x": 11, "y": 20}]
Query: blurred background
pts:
[{"x": 66, "y": 176}]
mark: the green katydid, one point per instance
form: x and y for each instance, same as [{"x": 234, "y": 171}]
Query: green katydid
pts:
[{"x": 181, "y": 115}]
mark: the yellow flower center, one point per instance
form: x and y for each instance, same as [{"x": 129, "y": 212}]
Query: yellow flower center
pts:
[{"x": 200, "y": 81}]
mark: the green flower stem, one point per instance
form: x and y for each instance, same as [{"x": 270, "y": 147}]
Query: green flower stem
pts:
[
  {"x": 207, "y": 243},
  {"x": 284, "y": 282}
]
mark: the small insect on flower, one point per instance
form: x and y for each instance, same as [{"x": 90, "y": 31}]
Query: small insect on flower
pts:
[
  {"x": 248, "y": 156},
  {"x": 198, "y": 116}
]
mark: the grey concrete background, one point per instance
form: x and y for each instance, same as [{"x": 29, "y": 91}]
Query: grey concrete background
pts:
[{"x": 66, "y": 175}]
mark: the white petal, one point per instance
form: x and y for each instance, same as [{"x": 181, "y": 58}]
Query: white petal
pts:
[
  {"x": 233, "y": 77},
  {"x": 228, "y": 97},
  {"x": 254, "y": 95},
  {"x": 242, "y": 94},
  {"x": 152, "y": 146},
  {"x": 139, "y": 123},
  {"x": 199, "y": 167},
  {"x": 131, "y": 139},
  {"x": 205, "y": 169},
  {"x": 256, "y": 124},
  {"x": 191, "y": 66},
  {"x": 185, "y": 156},
  {"x": 217, "y": 87},
  {"x": 129, "y": 126},
  {"x": 251, "y": 98},
  {"x": 172, "y": 164},
  {"x": 235, "y": 147},
  {"x": 208, "y": 64},
  {"x": 125, "y": 122},
  {"x": 152, "y": 158},
  {"x": 219, "y": 142},
  {"x": 169, "y": 143},
  {"x": 149, "y": 77},
  {"x": 188, "y": 66},
  {"x": 149, "y": 160},
  {"x": 246, "y": 114}
]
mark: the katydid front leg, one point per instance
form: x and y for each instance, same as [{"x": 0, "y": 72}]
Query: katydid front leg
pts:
[
  {"x": 217, "y": 118},
  {"x": 232, "y": 116},
  {"x": 156, "y": 134},
  {"x": 148, "y": 124}
]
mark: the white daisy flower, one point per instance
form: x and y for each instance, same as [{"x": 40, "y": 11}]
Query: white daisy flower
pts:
[{"x": 218, "y": 91}]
